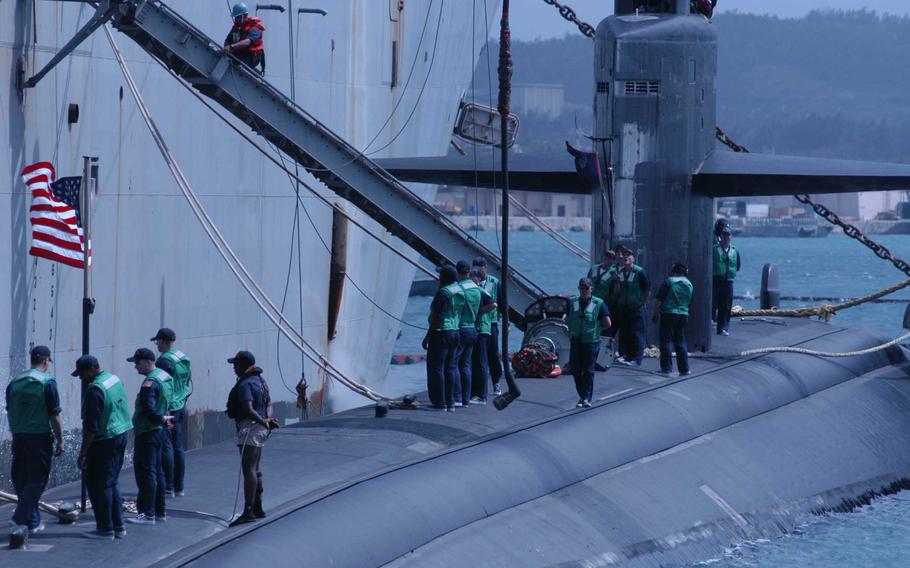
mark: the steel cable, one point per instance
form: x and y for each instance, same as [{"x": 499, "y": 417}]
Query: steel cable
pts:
[{"x": 246, "y": 280}]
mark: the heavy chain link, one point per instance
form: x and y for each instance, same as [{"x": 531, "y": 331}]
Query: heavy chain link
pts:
[
  {"x": 569, "y": 14},
  {"x": 851, "y": 231}
]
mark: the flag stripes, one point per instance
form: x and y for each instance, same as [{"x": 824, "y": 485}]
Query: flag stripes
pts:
[{"x": 56, "y": 232}]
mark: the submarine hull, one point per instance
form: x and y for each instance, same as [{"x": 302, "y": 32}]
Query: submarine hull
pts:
[{"x": 662, "y": 470}]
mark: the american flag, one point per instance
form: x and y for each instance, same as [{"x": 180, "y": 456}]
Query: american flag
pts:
[{"x": 56, "y": 226}]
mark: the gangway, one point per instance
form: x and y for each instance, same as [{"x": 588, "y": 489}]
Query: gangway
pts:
[{"x": 200, "y": 61}]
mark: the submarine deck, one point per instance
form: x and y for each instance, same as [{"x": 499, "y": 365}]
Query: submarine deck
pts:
[{"x": 307, "y": 462}]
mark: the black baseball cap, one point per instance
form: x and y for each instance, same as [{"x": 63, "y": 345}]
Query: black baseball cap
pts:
[
  {"x": 40, "y": 352},
  {"x": 142, "y": 354},
  {"x": 462, "y": 267},
  {"x": 242, "y": 356},
  {"x": 479, "y": 261},
  {"x": 166, "y": 334},
  {"x": 85, "y": 363},
  {"x": 447, "y": 269}
]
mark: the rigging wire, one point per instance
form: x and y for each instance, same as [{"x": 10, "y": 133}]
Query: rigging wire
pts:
[
  {"x": 329, "y": 250},
  {"x": 492, "y": 158},
  {"x": 362, "y": 153},
  {"x": 473, "y": 89},
  {"x": 299, "y": 203},
  {"x": 423, "y": 87},
  {"x": 268, "y": 155},
  {"x": 284, "y": 297},
  {"x": 246, "y": 280}
]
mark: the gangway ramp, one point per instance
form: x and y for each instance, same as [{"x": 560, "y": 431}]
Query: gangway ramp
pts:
[{"x": 200, "y": 61}]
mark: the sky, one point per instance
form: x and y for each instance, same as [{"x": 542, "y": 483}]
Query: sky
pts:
[{"x": 533, "y": 19}]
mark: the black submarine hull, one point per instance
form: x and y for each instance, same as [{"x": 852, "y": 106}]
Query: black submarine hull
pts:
[
  {"x": 662, "y": 471},
  {"x": 667, "y": 474}
]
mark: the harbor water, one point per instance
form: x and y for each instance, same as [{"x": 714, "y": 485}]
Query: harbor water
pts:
[{"x": 874, "y": 535}]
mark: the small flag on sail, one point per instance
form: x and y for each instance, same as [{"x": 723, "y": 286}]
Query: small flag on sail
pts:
[
  {"x": 587, "y": 164},
  {"x": 55, "y": 216}
]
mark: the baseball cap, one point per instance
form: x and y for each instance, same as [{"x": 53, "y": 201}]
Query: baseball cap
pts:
[
  {"x": 462, "y": 266},
  {"x": 40, "y": 351},
  {"x": 142, "y": 354},
  {"x": 85, "y": 363},
  {"x": 243, "y": 356},
  {"x": 447, "y": 269},
  {"x": 479, "y": 261},
  {"x": 166, "y": 334}
]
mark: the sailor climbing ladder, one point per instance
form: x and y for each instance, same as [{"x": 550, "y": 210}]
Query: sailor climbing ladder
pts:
[{"x": 201, "y": 62}]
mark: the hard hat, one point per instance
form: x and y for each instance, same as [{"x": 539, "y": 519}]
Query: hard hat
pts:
[{"x": 239, "y": 9}]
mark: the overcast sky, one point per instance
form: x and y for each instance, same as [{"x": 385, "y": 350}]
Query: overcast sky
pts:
[{"x": 532, "y": 19}]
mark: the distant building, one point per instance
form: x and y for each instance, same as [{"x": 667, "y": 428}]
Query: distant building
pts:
[
  {"x": 485, "y": 202},
  {"x": 530, "y": 98}
]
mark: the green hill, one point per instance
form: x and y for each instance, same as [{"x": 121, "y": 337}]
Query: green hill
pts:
[{"x": 830, "y": 84}]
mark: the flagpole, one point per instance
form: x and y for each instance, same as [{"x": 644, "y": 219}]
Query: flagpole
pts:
[{"x": 88, "y": 304}]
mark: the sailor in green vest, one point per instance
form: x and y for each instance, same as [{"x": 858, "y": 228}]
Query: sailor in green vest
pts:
[
  {"x": 476, "y": 303},
  {"x": 105, "y": 423},
  {"x": 629, "y": 290},
  {"x": 727, "y": 262},
  {"x": 179, "y": 363},
  {"x": 33, "y": 409},
  {"x": 599, "y": 274},
  {"x": 441, "y": 340},
  {"x": 490, "y": 285},
  {"x": 150, "y": 424},
  {"x": 480, "y": 368},
  {"x": 673, "y": 298},
  {"x": 719, "y": 225},
  {"x": 588, "y": 315}
]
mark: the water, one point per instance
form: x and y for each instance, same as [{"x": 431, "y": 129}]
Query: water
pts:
[
  {"x": 832, "y": 266},
  {"x": 875, "y": 535}
]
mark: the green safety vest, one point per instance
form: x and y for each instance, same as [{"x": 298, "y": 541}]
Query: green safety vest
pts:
[
  {"x": 115, "y": 416},
  {"x": 26, "y": 406},
  {"x": 630, "y": 293},
  {"x": 725, "y": 262},
  {"x": 470, "y": 311},
  {"x": 485, "y": 322},
  {"x": 584, "y": 325},
  {"x": 143, "y": 423},
  {"x": 183, "y": 377},
  {"x": 679, "y": 296},
  {"x": 451, "y": 317},
  {"x": 600, "y": 280},
  {"x": 491, "y": 287}
]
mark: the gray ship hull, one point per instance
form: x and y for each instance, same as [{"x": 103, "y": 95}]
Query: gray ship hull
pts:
[{"x": 153, "y": 265}]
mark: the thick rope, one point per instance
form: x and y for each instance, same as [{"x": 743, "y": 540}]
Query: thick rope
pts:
[
  {"x": 234, "y": 264},
  {"x": 654, "y": 352},
  {"x": 804, "y": 351},
  {"x": 826, "y": 311}
]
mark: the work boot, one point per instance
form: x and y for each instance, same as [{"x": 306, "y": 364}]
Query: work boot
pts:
[
  {"x": 258, "y": 511},
  {"x": 247, "y": 517}
]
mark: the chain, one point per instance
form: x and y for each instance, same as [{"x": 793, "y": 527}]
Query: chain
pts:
[
  {"x": 851, "y": 231},
  {"x": 569, "y": 14}
]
